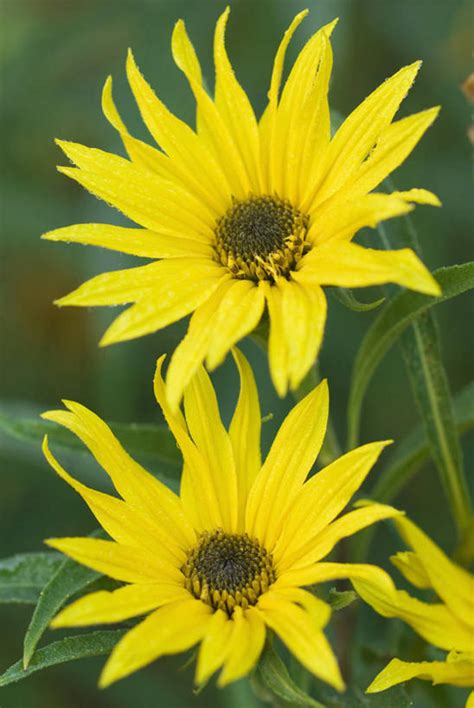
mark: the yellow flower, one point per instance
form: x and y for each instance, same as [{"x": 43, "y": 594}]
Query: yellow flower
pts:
[
  {"x": 447, "y": 624},
  {"x": 225, "y": 560},
  {"x": 246, "y": 216}
]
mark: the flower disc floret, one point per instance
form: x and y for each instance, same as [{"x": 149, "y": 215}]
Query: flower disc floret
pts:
[
  {"x": 225, "y": 570},
  {"x": 261, "y": 238}
]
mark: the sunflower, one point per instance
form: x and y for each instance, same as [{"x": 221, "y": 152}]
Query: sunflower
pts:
[
  {"x": 247, "y": 216},
  {"x": 219, "y": 564},
  {"x": 447, "y": 624}
]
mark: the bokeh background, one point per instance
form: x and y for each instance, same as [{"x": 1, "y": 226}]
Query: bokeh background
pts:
[{"x": 55, "y": 56}]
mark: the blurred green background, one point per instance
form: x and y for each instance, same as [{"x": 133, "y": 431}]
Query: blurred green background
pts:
[{"x": 55, "y": 57}]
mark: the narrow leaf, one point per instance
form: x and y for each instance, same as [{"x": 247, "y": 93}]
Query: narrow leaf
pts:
[
  {"x": 23, "y": 576},
  {"x": 69, "y": 649},
  {"x": 155, "y": 443},
  {"x": 422, "y": 355},
  {"x": 347, "y": 298},
  {"x": 395, "y": 317},
  {"x": 69, "y": 579},
  {"x": 273, "y": 674},
  {"x": 339, "y": 600}
]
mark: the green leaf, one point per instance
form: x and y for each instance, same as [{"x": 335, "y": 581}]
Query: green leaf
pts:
[
  {"x": 272, "y": 674},
  {"x": 69, "y": 649},
  {"x": 347, "y": 298},
  {"x": 412, "y": 452},
  {"x": 395, "y": 317},
  {"x": 23, "y": 576},
  {"x": 354, "y": 697},
  {"x": 407, "y": 458},
  {"x": 339, "y": 600},
  {"x": 154, "y": 443},
  {"x": 422, "y": 355},
  {"x": 69, "y": 579}
]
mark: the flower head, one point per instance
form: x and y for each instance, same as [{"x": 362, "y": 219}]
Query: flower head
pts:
[
  {"x": 244, "y": 216},
  {"x": 447, "y": 623},
  {"x": 224, "y": 561}
]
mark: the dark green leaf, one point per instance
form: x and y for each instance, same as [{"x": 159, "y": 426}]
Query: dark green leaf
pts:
[
  {"x": 69, "y": 579},
  {"x": 273, "y": 676},
  {"x": 338, "y": 600},
  {"x": 142, "y": 440},
  {"x": 395, "y": 697},
  {"x": 395, "y": 317},
  {"x": 348, "y": 299},
  {"x": 23, "y": 576},
  {"x": 69, "y": 649},
  {"x": 422, "y": 355},
  {"x": 408, "y": 457}
]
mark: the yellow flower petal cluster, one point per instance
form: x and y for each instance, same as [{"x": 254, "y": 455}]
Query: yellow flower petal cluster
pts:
[
  {"x": 447, "y": 624},
  {"x": 244, "y": 216},
  {"x": 225, "y": 560}
]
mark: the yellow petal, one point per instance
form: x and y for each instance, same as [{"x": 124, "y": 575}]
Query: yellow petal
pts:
[
  {"x": 454, "y": 585},
  {"x": 459, "y": 674},
  {"x": 411, "y": 567},
  {"x": 245, "y": 645},
  {"x": 319, "y": 611},
  {"x": 136, "y": 242},
  {"x": 296, "y": 629},
  {"x": 203, "y": 330},
  {"x": 118, "y": 287},
  {"x": 340, "y": 219},
  {"x": 131, "y": 565},
  {"x": 169, "y": 630},
  {"x": 348, "y": 265},
  {"x": 267, "y": 123},
  {"x": 359, "y": 133},
  {"x": 321, "y": 499},
  {"x": 419, "y": 196},
  {"x": 434, "y": 622},
  {"x": 197, "y": 165},
  {"x": 302, "y": 110},
  {"x": 156, "y": 203},
  {"x": 322, "y": 544},
  {"x": 213, "y": 442},
  {"x": 215, "y": 128},
  {"x": 244, "y": 431},
  {"x": 303, "y": 312},
  {"x": 106, "y": 607},
  {"x": 278, "y": 344},
  {"x": 470, "y": 700},
  {"x": 164, "y": 303},
  {"x": 142, "y": 154},
  {"x": 214, "y": 646},
  {"x": 122, "y": 522},
  {"x": 239, "y": 314},
  {"x": 392, "y": 148},
  {"x": 287, "y": 465},
  {"x": 135, "y": 485},
  {"x": 201, "y": 500},
  {"x": 234, "y": 106}
]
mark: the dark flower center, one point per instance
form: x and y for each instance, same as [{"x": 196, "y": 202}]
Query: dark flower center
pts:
[
  {"x": 225, "y": 570},
  {"x": 261, "y": 238}
]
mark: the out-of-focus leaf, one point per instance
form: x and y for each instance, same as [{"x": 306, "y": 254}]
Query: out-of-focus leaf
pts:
[
  {"x": 395, "y": 697},
  {"x": 395, "y": 317},
  {"x": 407, "y": 458},
  {"x": 338, "y": 600},
  {"x": 69, "y": 649},
  {"x": 347, "y": 298},
  {"x": 23, "y": 576},
  {"x": 414, "y": 450},
  {"x": 143, "y": 440},
  {"x": 69, "y": 579},
  {"x": 272, "y": 676}
]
